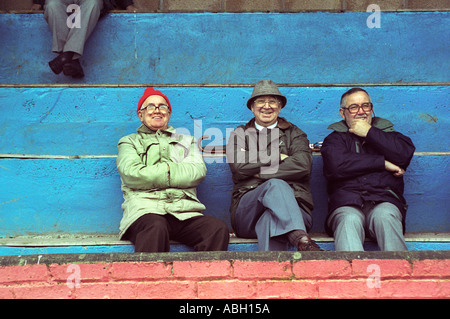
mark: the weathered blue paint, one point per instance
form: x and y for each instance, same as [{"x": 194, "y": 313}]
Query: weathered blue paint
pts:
[
  {"x": 126, "y": 248},
  {"x": 40, "y": 196},
  {"x": 90, "y": 120},
  {"x": 83, "y": 196},
  {"x": 56, "y": 195},
  {"x": 319, "y": 47}
]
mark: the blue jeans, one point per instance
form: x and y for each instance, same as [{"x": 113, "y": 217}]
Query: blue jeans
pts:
[
  {"x": 268, "y": 212},
  {"x": 382, "y": 222}
]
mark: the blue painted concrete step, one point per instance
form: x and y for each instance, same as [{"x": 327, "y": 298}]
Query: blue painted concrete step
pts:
[
  {"x": 318, "y": 47},
  {"x": 110, "y": 244},
  {"x": 91, "y": 120}
]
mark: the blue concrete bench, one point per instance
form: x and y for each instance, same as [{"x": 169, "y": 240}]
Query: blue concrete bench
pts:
[
  {"x": 72, "y": 198},
  {"x": 59, "y": 184},
  {"x": 106, "y": 243}
]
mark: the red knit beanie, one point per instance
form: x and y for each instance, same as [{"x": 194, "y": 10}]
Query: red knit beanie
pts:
[{"x": 148, "y": 92}]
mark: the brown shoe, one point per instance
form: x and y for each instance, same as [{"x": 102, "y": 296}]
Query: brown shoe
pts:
[{"x": 307, "y": 244}]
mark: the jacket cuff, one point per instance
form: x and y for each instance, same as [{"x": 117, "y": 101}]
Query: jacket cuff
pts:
[{"x": 372, "y": 133}]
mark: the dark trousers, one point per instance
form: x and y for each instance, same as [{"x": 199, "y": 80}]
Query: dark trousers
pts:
[{"x": 152, "y": 232}]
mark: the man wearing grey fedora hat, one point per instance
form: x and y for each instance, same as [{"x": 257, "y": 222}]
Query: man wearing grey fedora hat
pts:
[{"x": 270, "y": 161}]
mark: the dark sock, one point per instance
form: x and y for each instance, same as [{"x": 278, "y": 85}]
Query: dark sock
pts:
[
  {"x": 68, "y": 55},
  {"x": 296, "y": 236}
]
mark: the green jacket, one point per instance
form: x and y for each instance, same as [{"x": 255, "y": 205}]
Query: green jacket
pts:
[
  {"x": 295, "y": 170},
  {"x": 159, "y": 172}
]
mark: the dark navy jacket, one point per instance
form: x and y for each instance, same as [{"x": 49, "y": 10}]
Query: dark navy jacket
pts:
[{"x": 355, "y": 170}]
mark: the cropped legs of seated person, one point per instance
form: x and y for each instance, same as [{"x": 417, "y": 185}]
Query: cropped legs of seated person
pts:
[{"x": 71, "y": 23}]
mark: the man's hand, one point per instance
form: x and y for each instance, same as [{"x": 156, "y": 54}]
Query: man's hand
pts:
[
  {"x": 359, "y": 127},
  {"x": 398, "y": 171}
]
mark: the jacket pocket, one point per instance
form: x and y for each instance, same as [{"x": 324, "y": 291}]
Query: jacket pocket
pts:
[
  {"x": 150, "y": 154},
  {"x": 180, "y": 148},
  {"x": 401, "y": 200}
]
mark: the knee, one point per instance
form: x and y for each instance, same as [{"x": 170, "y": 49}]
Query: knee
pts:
[
  {"x": 279, "y": 185},
  {"x": 275, "y": 190},
  {"x": 54, "y": 6},
  {"x": 217, "y": 226},
  {"x": 347, "y": 217},
  {"x": 276, "y": 182},
  {"x": 154, "y": 223},
  {"x": 352, "y": 219},
  {"x": 385, "y": 214}
]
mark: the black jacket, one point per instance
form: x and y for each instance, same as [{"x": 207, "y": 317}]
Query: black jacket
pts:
[
  {"x": 355, "y": 170},
  {"x": 107, "y": 4},
  {"x": 295, "y": 170}
]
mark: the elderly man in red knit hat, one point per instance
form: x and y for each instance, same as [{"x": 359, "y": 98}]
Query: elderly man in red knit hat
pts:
[{"x": 160, "y": 171}]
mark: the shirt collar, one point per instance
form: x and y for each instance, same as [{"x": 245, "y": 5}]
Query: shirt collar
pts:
[{"x": 259, "y": 127}]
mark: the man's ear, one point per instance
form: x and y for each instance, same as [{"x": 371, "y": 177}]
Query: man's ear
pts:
[
  {"x": 141, "y": 117},
  {"x": 341, "y": 111}
]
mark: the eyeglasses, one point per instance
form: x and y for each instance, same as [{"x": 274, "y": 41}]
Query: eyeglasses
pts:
[
  {"x": 262, "y": 102},
  {"x": 354, "y": 108},
  {"x": 152, "y": 107}
]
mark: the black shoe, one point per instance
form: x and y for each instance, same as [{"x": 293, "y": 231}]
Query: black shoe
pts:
[
  {"x": 307, "y": 244},
  {"x": 57, "y": 64},
  {"x": 74, "y": 69}
]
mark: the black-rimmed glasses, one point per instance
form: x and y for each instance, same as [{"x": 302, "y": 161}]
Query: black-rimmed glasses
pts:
[
  {"x": 354, "y": 108},
  {"x": 152, "y": 107}
]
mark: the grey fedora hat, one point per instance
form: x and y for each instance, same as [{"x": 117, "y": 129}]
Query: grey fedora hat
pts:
[{"x": 266, "y": 87}]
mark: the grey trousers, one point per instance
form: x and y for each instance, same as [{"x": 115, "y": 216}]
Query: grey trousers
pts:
[
  {"x": 383, "y": 223},
  {"x": 268, "y": 212},
  {"x": 65, "y": 38}
]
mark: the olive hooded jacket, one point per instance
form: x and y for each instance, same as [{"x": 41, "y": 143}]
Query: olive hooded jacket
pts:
[
  {"x": 159, "y": 172},
  {"x": 249, "y": 155}
]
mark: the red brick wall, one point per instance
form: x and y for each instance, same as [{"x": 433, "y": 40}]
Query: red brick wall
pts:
[{"x": 372, "y": 278}]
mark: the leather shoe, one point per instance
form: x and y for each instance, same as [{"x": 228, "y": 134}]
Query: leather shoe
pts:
[
  {"x": 73, "y": 68},
  {"x": 57, "y": 64},
  {"x": 307, "y": 244}
]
